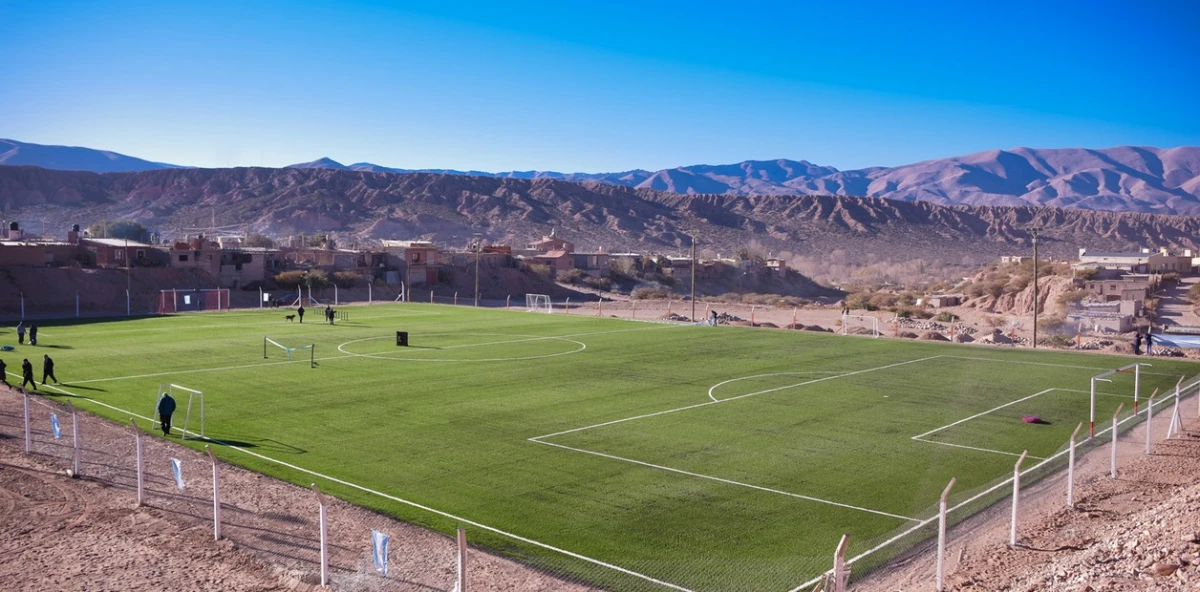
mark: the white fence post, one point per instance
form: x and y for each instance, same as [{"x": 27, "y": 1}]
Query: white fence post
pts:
[
  {"x": 507, "y": 301},
  {"x": 1175, "y": 427},
  {"x": 216, "y": 495},
  {"x": 77, "y": 305},
  {"x": 129, "y": 304},
  {"x": 335, "y": 295},
  {"x": 370, "y": 294},
  {"x": 1016, "y": 500},
  {"x": 1071, "y": 468},
  {"x": 460, "y": 584},
  {"x": 75, "y": 441},
  {"x": 839, "y": 565},
  {"x": 1113, "y": 465},
  {"x": 941, "y": 548},
  {"x": 324, "y": 544},
  {"x": 28, "y": 439},
  {"x": 137, "y": 439},
  {"x": 456, "y": 299},
  {"x": 1149, "y": 418}
]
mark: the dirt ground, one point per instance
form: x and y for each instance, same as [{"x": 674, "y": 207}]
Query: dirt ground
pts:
[{"x": 1138, "y": 532}]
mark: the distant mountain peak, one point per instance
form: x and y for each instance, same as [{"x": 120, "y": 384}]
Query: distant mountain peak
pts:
[
  {"x": 321, "y": 163},
  {"x": 72, "y": 158}
]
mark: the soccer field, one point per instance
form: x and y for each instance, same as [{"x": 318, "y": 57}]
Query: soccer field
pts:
[{"x": 635, "y": 456}]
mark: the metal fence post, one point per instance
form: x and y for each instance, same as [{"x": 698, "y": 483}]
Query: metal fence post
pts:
[
  {"x": 1113, "y": 465},
  {"x": 28, "y": 439},
  {"x": 1016, "y": 500},
  {"x": 75, "y": 441},
  {"x": 941, "y": 548},
  {"x": 1071, "y": 468},
  {"x": 461, "y": 583},
  {"x": 324, "y": 532},
  {"x": 137, "y": 439},
  {"x": 216, "y": 495}
]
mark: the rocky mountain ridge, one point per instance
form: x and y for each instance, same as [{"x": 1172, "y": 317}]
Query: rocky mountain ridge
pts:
[{"x": 448, "y": 209}]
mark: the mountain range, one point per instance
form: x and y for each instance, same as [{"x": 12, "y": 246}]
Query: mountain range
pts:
[
  {"x": 835, "y": 234},
  {"x": 1120, "y": 179}
]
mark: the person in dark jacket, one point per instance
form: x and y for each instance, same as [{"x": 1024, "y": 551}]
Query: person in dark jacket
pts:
[
  {"x": 166, "y": 407},
  {"x": 300, "y": 311},
  {"x": 1137, "y": 344},
  {"x": 48, "y": 369},
  {"x": 3, "y": 373},
  {"x": 27, "y": 374},
  {"x": 32, "y": 333},
  {"x": 1148, "y": 343}
]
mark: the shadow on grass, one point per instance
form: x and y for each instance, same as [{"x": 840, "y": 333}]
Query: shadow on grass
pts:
[{"x": 263, "y": 443}]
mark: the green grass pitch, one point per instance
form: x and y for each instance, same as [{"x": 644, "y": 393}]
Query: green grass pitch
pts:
[{"x": 709, "y": 459}]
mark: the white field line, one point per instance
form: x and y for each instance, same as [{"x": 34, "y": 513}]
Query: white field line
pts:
[
  {"x": 714, "y": 402},
  {"x": 981, "y": 414},
  {"x": 1049, "y": 365},
  {"x": 1098, "y": 393},
  {"x": 720, "y": 384},
  {"x": 198, "y": 370},
  {"x": 1005, "y": 483},
  {"x": 731, "y": 482},
  {"x": 974, "y": 448},
  {"x": 524, "y": 339},
  {"x": 402, "y": 501}
]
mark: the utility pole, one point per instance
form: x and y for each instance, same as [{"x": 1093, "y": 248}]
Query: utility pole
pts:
[
  {"x": 693, "y": 237},
  {"x": 476, "y": 245},
  {"x": 1034, "y": 231}
]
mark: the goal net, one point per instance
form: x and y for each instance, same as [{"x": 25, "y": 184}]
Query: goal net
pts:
[
  {"x": 171, "y": 301},
  {"x": 194, "y": 408},
  {"x": 537, "y": 303},
  {"x": 860, "y": 325},
  {"x": 270, "y": 345}
]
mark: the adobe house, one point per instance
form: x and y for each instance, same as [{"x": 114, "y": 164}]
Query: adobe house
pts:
[
  {"x": 196, "y": 253},
  {"x": 776, "y": 265},
  {"x": 118, "y": 252},
  {"x": 552, "y": 243},
  {"x": 594, "y": 264},
  {"x": 559, "y": 261},
  {"x": 417, "y": 260}
]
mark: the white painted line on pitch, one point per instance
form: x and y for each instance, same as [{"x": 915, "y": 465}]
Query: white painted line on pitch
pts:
[
  {"x": 1050, "y": 365},
  {"x": 198, "y": 370},
  {"x": 977, "y": 415},
  {"x": 1098, "y": 393},
  {"x": 974, "y": 448},
  {"x": 706, "y": 403},
  {"x": 720, "y": 384},
  {"x": 401, "y": 500},
  {"x": 730, "y": 482}
]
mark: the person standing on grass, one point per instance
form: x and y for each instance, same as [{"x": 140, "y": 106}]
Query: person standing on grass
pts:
[
  {"x": 27, "y": 374},
  {"x": 1148, "y": 341},
  {"x": 166, "y": 407},
  {"x": 300, "y": 311},
  {"x": 48, "y": 369},
  {"x": 21, "y": 333},
  {"x": 3, "y": 373},
  {"x": 32, "y": 333}
]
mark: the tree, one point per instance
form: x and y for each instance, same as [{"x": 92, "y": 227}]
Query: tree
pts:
[
  {"x": 129, "y": 229},
  {"x": 261, "y": 241}
]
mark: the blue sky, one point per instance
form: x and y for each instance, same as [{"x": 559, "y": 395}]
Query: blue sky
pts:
[{"x": 599, "y": 86}]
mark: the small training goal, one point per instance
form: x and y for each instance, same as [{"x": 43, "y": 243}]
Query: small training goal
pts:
[
  {"x": 194, "y": 408},
  {"x": 860, "y": 325},
  {"x": 538, "y": 303},
  {"x": 270, "y": 345}
]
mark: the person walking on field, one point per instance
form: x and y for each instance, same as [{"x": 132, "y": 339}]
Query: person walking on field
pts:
[
  {"x": 166, "y": 407},
  {"x": 48, "y": 369},
  {"x": 21, "y": 333},
  {"x": 32, "y": 333},
  {"x": 3, "y": 373},
  {"x": 300, "y": 311},
  {"x": 1137, "y": 344},
  {"x": 27, "y": 374}
]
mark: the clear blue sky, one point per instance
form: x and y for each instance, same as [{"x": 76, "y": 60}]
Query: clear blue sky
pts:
[{"x": 595, "y": 86}]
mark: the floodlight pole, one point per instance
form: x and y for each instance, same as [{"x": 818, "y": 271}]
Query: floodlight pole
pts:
[
  {"x": 692, "y": 236},
  {"x": 475, "y": 246},
  {"x": 1034, "y": 231}
]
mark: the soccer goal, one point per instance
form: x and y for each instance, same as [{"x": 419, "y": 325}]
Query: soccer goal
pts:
[
  {"x": 270, "y": 345},
  {"x": 860, "y": 325},
  {"x": 538, "y": 303},
  {"x": 171, "y": 301},
  {"x": 195, "y": 405}
]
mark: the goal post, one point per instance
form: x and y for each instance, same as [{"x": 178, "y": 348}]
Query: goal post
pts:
[
  {"x": 538, "y": 303},
  {"x": 195, "y": 407},
  {"x": 863, "y": 324},
  {"x": 175, "y": 300},
  {"x": 270, "y": 345}
]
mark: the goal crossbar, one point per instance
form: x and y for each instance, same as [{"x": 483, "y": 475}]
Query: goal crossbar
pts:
[
  {"x": 195, "y": 401},
  {"x": 268, "y": 343}
]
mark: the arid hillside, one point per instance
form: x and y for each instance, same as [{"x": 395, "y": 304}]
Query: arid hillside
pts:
[{"x": 356, "y": 205}]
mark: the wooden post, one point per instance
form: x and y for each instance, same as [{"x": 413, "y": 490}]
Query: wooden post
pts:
[
  {"x": 941, "y": 548},
  {"x": 1113, "y": 466},
  {"x": 1016, "y": 500},
  {"x": 839, "y": 565},
  {"x": 137, "y": 443},
  {"x": 216, "y": 495},
  {"x": 324, "y": 532},
  {"x": 1071, "y": 468}
]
